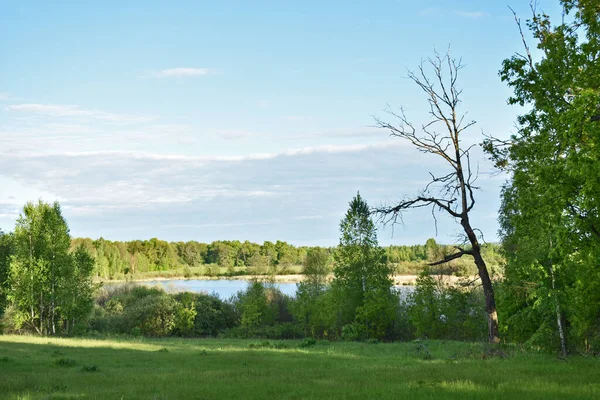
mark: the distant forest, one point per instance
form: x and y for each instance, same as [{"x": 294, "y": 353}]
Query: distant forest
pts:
[{"x": 121, "y": 260}]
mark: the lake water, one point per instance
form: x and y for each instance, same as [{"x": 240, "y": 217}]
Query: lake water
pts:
[{"x": 225, "y": 288}]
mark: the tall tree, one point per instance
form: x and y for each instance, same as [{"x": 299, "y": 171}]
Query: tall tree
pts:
[
  {"x": 452, "y": 193},
  {"x": 45, "y": 280},
  {"x": 551, "y": 205},
  {"x": 361, "y": 274}
]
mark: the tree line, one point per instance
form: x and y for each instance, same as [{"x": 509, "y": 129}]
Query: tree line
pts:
[
  {"x": 120, "y": 260},
  {"x": 49, "y": 290}
]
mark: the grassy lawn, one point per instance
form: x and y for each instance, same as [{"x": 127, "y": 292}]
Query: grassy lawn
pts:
[{"x": 43, "y": 368}]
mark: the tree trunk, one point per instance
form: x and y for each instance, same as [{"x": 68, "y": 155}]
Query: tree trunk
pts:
[
  {"x": 486, "y": 282},
  {"x": 561, "y": 332}
]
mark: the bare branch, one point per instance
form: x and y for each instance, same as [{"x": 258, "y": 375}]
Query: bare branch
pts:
[
  {"x": 527, "y": 58},
  {"x": 461, "y": 252}
]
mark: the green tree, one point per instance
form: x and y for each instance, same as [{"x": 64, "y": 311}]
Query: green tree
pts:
[
  {"x": 309, "y": 308},
  {"x": 6, "y": 251},
  {"x": 48, "y": 286},
  {"x": 77, "y": 290},
  {"x": 551, "y": 206},
  {"x": 362, "y": 283}
]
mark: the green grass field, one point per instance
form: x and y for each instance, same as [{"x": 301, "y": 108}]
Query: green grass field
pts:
[{"x": 43, "y": 368}]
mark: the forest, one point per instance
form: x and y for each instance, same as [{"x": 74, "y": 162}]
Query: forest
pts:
[{"x": 123, "y": 260}]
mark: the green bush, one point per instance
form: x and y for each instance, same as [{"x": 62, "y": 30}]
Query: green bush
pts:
[
  {"x": 354, "y": 331},
  {"x": 185, "y": 317},
  {"x": 154, "y": 315},
  {"x": 212, "y": 315},
  {"x": 440, "y": 312}
]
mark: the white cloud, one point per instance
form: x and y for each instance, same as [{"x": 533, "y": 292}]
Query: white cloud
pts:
[
  {"x": 178, "y": 197},
  {"x": 234, "y": 135},
  {"x": 297, "y": 118},
  {"x": 182, "y": 72},
  {"x": 324, "y": 149},
  {"x": 472, "y": 14},
  {"x": 428, "y": 11},
  {"x": 3, "y": 96},
  {"x": 62, "y": 110}
]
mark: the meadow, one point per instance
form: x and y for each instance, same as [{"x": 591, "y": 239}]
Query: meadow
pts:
[{"x": 143, "y": 368}]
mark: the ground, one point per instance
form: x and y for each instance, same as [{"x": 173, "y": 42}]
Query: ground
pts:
[{"x": 137, "y": 368}]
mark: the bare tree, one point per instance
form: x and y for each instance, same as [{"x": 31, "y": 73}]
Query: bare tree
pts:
[{"x": 452, "y": 193}]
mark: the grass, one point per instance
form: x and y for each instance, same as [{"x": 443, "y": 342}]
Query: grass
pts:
[{"x": 142, "y": 368}]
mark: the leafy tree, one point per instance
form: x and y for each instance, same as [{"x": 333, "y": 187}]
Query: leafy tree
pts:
[
  {"x": 362, "y": 283},
  {"x": 77, "y": 290},
  {"x": 551, "y": 206},
  {"x": 254, "y": 307},
  {"x": 6, "y": 250},
  {"x": 453, "y": 192},
  {"x": 309, "y": 308},
  {"x": 49, "y": 287}
]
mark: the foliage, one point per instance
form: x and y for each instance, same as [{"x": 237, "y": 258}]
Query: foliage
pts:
[
  {"x": 361, "y": 287},
  {"x": 550, "y": 214},
  {"x": 438, "y": 311},
  {"x": 6, "y": 250},
  {"x": 309, "y": 308},
  {"x": 49, "y": 287},
  {"x": 152, "y": 258}
]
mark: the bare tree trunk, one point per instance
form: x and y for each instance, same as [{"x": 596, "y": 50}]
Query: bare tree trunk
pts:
[
  {"x": 41, "y": 314},
  {"x": 561, "y": 332},
  {"x": 52, "y": 306},
  {"x": 486, "y": 282}
]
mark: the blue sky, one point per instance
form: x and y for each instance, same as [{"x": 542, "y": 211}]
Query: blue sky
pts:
[{"x": 236, "y": 120}]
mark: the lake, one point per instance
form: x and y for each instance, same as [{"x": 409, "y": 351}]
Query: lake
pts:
[{"x": 225, "y": 288}]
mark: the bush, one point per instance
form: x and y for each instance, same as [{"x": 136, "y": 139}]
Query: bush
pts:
[
  {"x": 185, "y": 316},
  {"x": 212, "y": 315},
  {"x": 377, "y": 313},
  {"x": 440, "y": 312},
  {"x": 307, "y": 343},
  {"x": 254, "y": 306},
  {"x": 153, "y": 315}
]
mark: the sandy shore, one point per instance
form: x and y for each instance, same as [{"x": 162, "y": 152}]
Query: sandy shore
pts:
[{"x": 399, "y": 280}]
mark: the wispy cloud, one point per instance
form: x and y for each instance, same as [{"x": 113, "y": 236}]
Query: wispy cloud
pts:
[
  {"x": 324, "y": 149},
  {"x": 182, "y": 72},
  {"x": 297, "y": 118},
  {"x": 62, "y": 110},
  {"x": 428, "y": 11},
  {"x": 472, "y": 14},
  {"x": 234, "y": 135},
  {"x": 3, "y": 96}
]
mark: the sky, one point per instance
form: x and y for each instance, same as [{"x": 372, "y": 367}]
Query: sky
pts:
[{"x": 238, "y": 120}]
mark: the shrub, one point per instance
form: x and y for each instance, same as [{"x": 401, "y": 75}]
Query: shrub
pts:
[
  {"x": 65, "y": 362},
  {"x": 153, "y": 315},
  {"x": 307, "y": 343},
  {"x": 354, "y": 331},
  {"x": 253, "y": 306},
  {"x": 440, "y": 312},
  {"x": 377, "y": 313},
  {"x": 212, "y": 315},
  {"x": 185, "y": 316},
  {"x": 90, "y": 368}
]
